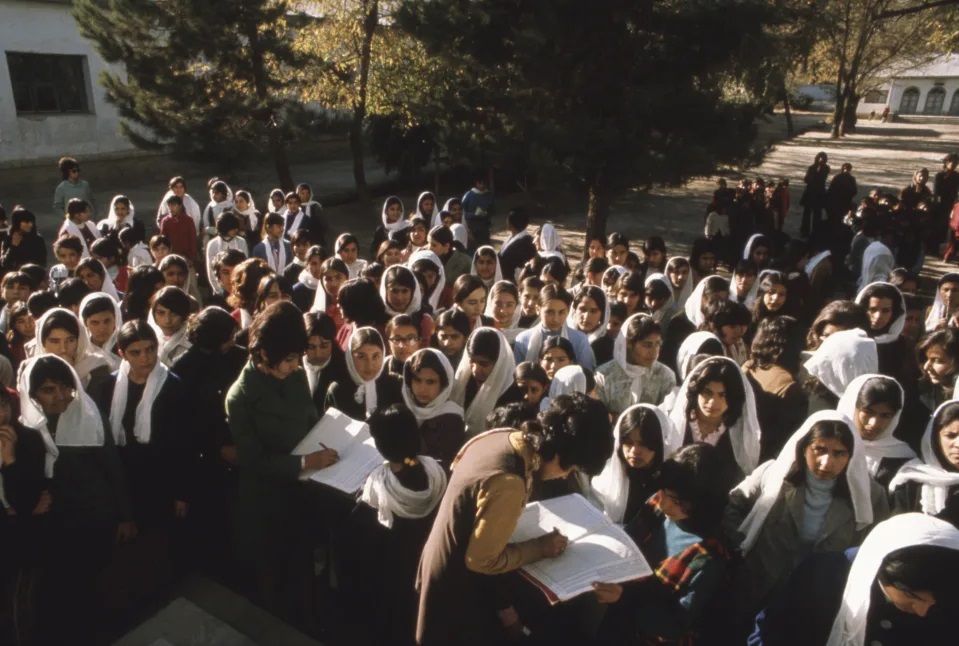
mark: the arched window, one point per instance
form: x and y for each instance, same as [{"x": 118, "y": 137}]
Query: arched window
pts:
[
  {"x": 910, "y": 101},
  {"x": 934, "y": 100},
  {"x": 954, "y": 105}
]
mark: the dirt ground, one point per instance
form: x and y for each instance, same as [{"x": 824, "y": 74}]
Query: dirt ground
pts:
[{"x": 882, "y": 155}]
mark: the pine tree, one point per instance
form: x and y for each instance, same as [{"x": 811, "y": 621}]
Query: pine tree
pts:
[{"x": 201, "y": 77}]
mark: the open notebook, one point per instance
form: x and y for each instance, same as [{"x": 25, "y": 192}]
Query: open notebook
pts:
[
  {"x": 351, "y": 440},
  {"x": 599, "y": 550}
]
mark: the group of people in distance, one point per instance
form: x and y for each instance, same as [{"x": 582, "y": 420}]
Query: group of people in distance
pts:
[{"x": 771, "y": 419}]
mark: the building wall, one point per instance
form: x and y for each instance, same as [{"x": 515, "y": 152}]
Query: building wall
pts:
[
  {"x": 48, "y": 28},
  {"x": 901, "y": 86}
]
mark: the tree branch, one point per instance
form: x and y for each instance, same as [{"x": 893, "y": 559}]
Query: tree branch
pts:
[{"x": 895, "y": 13}]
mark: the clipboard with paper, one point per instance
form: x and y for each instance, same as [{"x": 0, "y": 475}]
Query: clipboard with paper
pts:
[
  {"x": 598, "y": 549},
  {"x": 352, "y": 441}
]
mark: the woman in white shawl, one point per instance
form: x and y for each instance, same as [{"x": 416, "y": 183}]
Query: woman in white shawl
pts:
[
  {"x": 484, "y": 374},
  {"x": 716, "y": 405},
  {"x": 427, "y": 385},
  {"x": 659, "y": 298},
  {"x": 874, "y": 404},
  {"x": 549, "y": 244},
  {"x": 92, "y": 272},
  {"x": 460, "y": 234},
  {"x": 370, "y": 385},
  {"x": 503, "y": 307},
  {"x": 115, "y": 221},
  {"x": 486, "y": 266},
  {"x": 886, "y": 308},
  {"x": 426, "y": 206},
  {"x": 875, "y": 601},
  {"x": 399, "y": 277},
  {"x": 677, "y": 271},
  {"x": 944, "y": 308},
  {"x": 815, "y": 497},
  {"x": 877, "y": 262},
  {"x": 566, "y": 381},
  {"x": 758, "y": 249},
  {"x": 842, "y": 357},
  {"x": 59, "y": 332},
  {"x": 393, "y": 223},
  {"x": 420, "y": 262},
  {"x": 102, "y": 319},
  {"x": 72, "y": 225},
  {"x": 190, "y": 206},
  {"x": 643, "y": 441},
  {"x": 930, "y": 484},
  {"x": 168, "y": 315}
]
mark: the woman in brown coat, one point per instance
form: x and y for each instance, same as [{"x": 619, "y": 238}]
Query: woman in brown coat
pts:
[{"x": 491, "y": 482}]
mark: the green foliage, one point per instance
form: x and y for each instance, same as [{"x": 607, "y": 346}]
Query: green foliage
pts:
[{"x": 197, "y": 75}]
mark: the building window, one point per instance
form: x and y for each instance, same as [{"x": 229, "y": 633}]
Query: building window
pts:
[
  {"x": 48, "y": 83},
  {"x": 910, "y": 101},
  {"x": 954, "y": 106},
  {"x": 934, "y": 101},
  {"x": 876, "y": 96}
]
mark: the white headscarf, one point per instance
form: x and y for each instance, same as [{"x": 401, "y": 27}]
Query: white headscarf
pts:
[
  {"x": 108, "y": 287},
  {"x": 751, "y": 295},
  {"x": 877, "y": 262},
  {"x": 491, "y": 390},
  {"x": 748, "y": 249},
  {"x": 425, "y": 254},
  {"x": 72, "y": 228},
  {"x": 815, "y": 260},
  {"x": 384, "y": 493},
  {"x": 107, "y": 349},
  {"x": 79, "y": 425},
  {"x": 442, "y": 404},
  {"x": 566, "y": 381},
  {"x": 460, "y": 234},
  {"x": 690, "y": 348},
  {"x": 600, "y": 331},
  {"x": 857, "y": 477},
  {"x": 668, "y": 306},
  {"x": 538, "y": 338},
  {"x": 694, "y": 304},
  {"x": 111, "y": 220},
  {"x": 143, "y": 423},
  {"x": 550, "y": 244},
  {"x": 168, "y": 345},
  {"x": 935, "y": 479},
  {"x": 308, "y": 280},
  {"x": 190, "y": 207},
  {"x": 842, "y": 357},
  {"x": 419, "y": 200},
  {"x": 611, "y": 487},
  {"x": 904, "y": 530},
  {"x": 269, "y": 203},
  {"x": 249, "y": 213},
  {"x": 366, "y": 390},
  {"x": 938, "y": 309},
  {"x": 621, "y": 357},
  {"x": 884, "y": 446},
  {"x": 88, "y": 357},
  {"x": 687, "y": 289},
  {"x": 416, "y": 300},
  {"x": 399, "y": 225},
  {"x": 895, "y": 329},
  {"x": 498, "y": 276},
  {"x": 744, "y": 434},
  {"x": 513, "y": 330}
]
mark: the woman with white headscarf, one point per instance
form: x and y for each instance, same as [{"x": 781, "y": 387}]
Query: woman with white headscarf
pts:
[
  {"x": 89, "y": 509},
  {"x": 946, "y": 305},
  {"x": 59, "y": 332},
  {"x": 678, "y": 273},
  {"x": 370, "y": 386},
  {"x": 874, "y": 404},
  {"x": 659, "y": 298},
  {"x": 486, "y": 266},
  {"x": 589, "y": 314},
  {"x": 568, "y": 380},
  {"x": 460, "y": 235},
  {"x": 635, "y": 375},
  {"x": 890, "y": 591},
  {"x": 643, "y": 440},
  {"x": 930, "y": 484},
  {"x": 842, "y": 357},
  {"x": 394, "y": 225},
  {"x": 709, "y": 290},
  {"x": 877, "y": 262},
  {"x": 817, "y": 496},
  {"x": 427, "y": 385},
  {"x": 716, "y": 405},
  {"x": 484, "y": 374},
  {"x": 102, "y": 319},
  {"x": 428, "y": 266},
  {"x": 92, "y": 272},
  {"x": 122, "y": 214},
  {"x": 886, "y": 308},
  {"x": 549, "y": 244},
  {"x": 402, "y": 294},
  {"x": 503, "y": 307}
]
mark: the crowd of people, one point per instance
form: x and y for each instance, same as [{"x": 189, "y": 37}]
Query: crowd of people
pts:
[{"x": 771, "y": 419}]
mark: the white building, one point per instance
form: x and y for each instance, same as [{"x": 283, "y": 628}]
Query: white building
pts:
[
  {"x": 51, "y": 103},
  {"x": 926, "y": 89}
]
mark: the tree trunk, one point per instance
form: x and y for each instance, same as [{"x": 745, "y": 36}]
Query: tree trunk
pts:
[
  {"x": 849, "y": 114},
  {"x": 839, "y": 110},
  {"x": 280, "y": 161},
  {"x": 356, "y": 150},
  {"x": 274, "y": 134},
  {"x": 597, "y": 212},
  {"x": 370, "y": 24},
  {"x": 790, "y": 130}
]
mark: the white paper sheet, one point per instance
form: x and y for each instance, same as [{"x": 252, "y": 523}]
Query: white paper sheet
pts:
[
  {"x": 599, "y": 550},
  {"x": 351, "y": 440}
]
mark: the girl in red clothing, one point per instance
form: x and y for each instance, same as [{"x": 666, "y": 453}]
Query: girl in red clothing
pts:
[{"x": 361, "y": 306}]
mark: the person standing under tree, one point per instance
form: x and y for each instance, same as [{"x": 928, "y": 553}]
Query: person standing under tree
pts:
[
  {"x": 478, "y": 207},
  {"x": 71, "y": 186},
  {"x": 813, "y": 198}
]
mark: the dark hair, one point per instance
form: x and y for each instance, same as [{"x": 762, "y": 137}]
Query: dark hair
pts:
[
  {"x": 882, "y": 290},
  {"x": 425, "y": 360},
  {"x": 70, "y": 242},
  {"x": 659, "y": 290},
  {"x": 141, "y": 285},
  {"x": 396, "y": 434},
  {"x": 40, "y": 302},
  {"x": 226, "y": 222},
  {"x": 746, "y": 266},
  {"x": 725, "y": 312},
  {"x": 576, "y": 429},
  {"x": 922, "y": 568},
  {"x": 50, "y": 368},
  {"x": 531, "y": 282},
  {"x": 714, "y": 285},
  {"x": 176, "y": 180},
  {"x": 700, "y": 247},
  {"x": 227, "y": 258},
  {"x": 106, "y": 248},
  {"x": 948, "y": 414},
  {"x": 695, "y": 475},
  {"x": 616, "y": 238},
  {"x": 399, "y": 275},
  {"x": 554, "y": 292},
  {"x": 466, "y": 285},
  {"x": 273, "y": 219},
  {"x": 843, "y": 314},
  {"x": 517, "y": 218},
  {"x": 361, "y": 303},
  {"x": 18, "y": 311},
  {"x": 67, "y": 164},
  {"x": 767, "y": 281},
  {"x": 174, "y": 259},
  {"x": 618, "y": 310},
  {"x": 159, "y": 240},
  {"x": 717, "y": 369},
  {"x": 532, "y": 267},
  {"x": 345, "y": 239},
  {"x": 441, "y": 235},
  {"x": 632, "y": 281},
  {"x": 900, "y": 276},
  {"x": 645, "y": 421},
  {"x": 456, "y": 319},
  {"x": 654, "y": 243},
  {"x": 556, "y": 268},
  {"x": 483, "y": 342},
  {"x": 367, "y": 336},
  {"x": 558, "y": 342},
  {"x": 778, "y": 341},
  {"x": 880, "y": 390},
  {"x": 946, "y": 338},
  {"x": 596, "y": 266},
  {"x": 277, "y": 332},
  {"x": 59, "y": 321},
  {"x": 246, "y": 279},
  {"x": 284, "y": 284},
  {"x": 133, "y": 331},
  {"x": 530, "y": 371},
  {"x": 319, "y": 324},
  {"x": 822, "y": 430},
  {"x": 174, "y": 199},
  {"x": 301, "y": 236},
  {"x": 641, "y": 327},
  {"x": 71, "y": 292},
  {"x": 211, "y": 328},
  {"x": 292, "y": 195},
  {"x": 93, "y": 265},
  {"x": 595, "y": 293},
  {"x": 501, "y": 287},
  {"x": 36, "y": 273},
  {"x": 174, "y": 299},
  {"x": 98, "y": 305},
  {"x": 513, "y": 415},
  {"x": 19, "y": 215}
]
